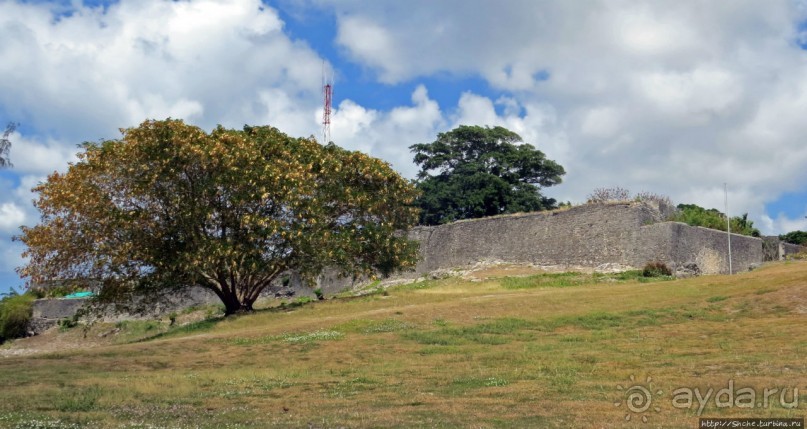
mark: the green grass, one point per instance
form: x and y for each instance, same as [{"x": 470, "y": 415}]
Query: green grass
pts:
[
  {"x": 538, "y": 351},
  {"x": 79, "y": 400},
  {"x": 570, "y": 279}
]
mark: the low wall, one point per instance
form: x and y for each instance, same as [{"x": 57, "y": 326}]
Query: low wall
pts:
[
  {"x": 790, "y": 248},
  {"x": 48, "y": 311}
]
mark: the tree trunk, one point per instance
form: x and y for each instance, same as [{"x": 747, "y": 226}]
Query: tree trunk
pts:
[
  {"x": 233, "y": 304},
  {"x": 237, "y": 308}
]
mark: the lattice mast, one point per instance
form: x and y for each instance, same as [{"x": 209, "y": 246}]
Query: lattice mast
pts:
[{"x": 327, "y": 92}]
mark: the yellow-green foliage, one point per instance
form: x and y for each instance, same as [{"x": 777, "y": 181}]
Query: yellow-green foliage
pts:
[
  {"x": 15, "y": 313},
  {"x": 169, "y": 205}
]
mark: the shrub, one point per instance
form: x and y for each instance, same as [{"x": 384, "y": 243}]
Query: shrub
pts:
[
  {"x": 605, "y": 195},
  {"x": 659, "y": 199},
  {"x": 15, "y": 314},
  {"x": 795, "y": 237},
  {"x": 67, "y": 323},
  {"x": 302, "y": 301},
  {"x": 319, "y": 294},
  {"x": 694, "y": 215},
  {"x": 617, "y": 194},
  {"x": 656, "y": 269}
]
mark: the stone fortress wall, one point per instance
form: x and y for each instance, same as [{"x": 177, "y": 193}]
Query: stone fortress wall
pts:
[
  {"x": 614, "y": 235},
  {"x": 629, "y": 234}
]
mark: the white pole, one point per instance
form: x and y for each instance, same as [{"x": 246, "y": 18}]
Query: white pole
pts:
[{"x": 728, "y": 221}]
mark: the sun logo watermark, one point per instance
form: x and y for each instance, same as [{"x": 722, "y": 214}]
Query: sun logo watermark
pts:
[{"x": 638, "y": 397}]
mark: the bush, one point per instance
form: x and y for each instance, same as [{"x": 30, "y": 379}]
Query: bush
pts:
[
  {"x": 795, "y": 237},
  {"x": 797, "y": 256},
  {"x": 67, "y": 323},
  {"x": 616, "y": 194},
  {"x": 659, "y": 199},
  {"x": 694, "y": 215},
  {"x": 15, "y": 314},
  {"x": 656, "y": 269},
  {"x": 606, "y": 195}
]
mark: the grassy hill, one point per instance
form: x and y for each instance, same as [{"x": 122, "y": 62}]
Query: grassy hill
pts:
[{"x": 547, "y": 350}]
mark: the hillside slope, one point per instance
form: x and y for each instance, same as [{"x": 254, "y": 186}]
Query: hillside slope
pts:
[{"x": 547, "y": 350}]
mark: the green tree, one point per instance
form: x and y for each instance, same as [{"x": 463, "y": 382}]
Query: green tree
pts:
[
  {"x": 795, "y": 237},
  {"x": 15, "y": 314},
  {"x": 472, "y": 172},
  {"x": 695, "y": 215},
  {"x": 168, "y": 206},
  {"x": 5, "y": 145}
]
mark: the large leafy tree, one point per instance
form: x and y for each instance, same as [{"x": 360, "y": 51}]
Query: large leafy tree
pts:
[
  {"x": 473, "y": 171},
  {"x": 169, "y": 206}
]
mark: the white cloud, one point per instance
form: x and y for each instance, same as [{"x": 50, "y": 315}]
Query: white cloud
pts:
[
  {"x": 89, "y": 73},
  {"x": 388, "y": 135},
  {"x": 673, "y": 98},
  {"x": 33, "y": 155},
  {"x": 370, "y": 43},
  {"x": 676, "y": 98},
  {"x": 11, "y": 217},
  {"x": 601, "y": 122},
  {"x": 782, "y": 224}
]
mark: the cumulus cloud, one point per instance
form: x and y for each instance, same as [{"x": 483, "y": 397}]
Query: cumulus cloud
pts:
[
  {"x": 783, "y": 223},
  {"x": 88, "y": 73},
  {"x": 389, "y": 134},
  {"x": 674, "y": 98},
  {"x": 11, "y": 217}
]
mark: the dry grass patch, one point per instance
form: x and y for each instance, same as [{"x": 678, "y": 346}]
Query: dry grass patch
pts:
[{"x": 451, "y": 354}]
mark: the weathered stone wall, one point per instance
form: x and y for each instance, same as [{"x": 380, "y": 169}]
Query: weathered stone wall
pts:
[
  {"x": 629, "y": 234},
  {"x": 777, "y": 250},
  {"x": 47, "y": 312},
  {"x": 790, "y": 248},
  {"x": 678, "y": 244},
  {"x": 587, "y": 236}
]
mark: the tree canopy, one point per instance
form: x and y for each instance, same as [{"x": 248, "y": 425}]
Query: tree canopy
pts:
[
  {"x": 795, "y": 237},
  {"x": 473, "y": 171},
  {"x": 695, "y": 215},
  {"x": 5, "y": 145},
  {"x": 169, "y": 206}
]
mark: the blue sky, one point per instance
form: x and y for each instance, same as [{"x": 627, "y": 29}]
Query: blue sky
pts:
[{"x": 675, "y": 99}]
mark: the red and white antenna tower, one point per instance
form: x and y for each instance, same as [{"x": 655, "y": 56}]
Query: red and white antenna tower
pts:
[{"x": 327, "y": 91}]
